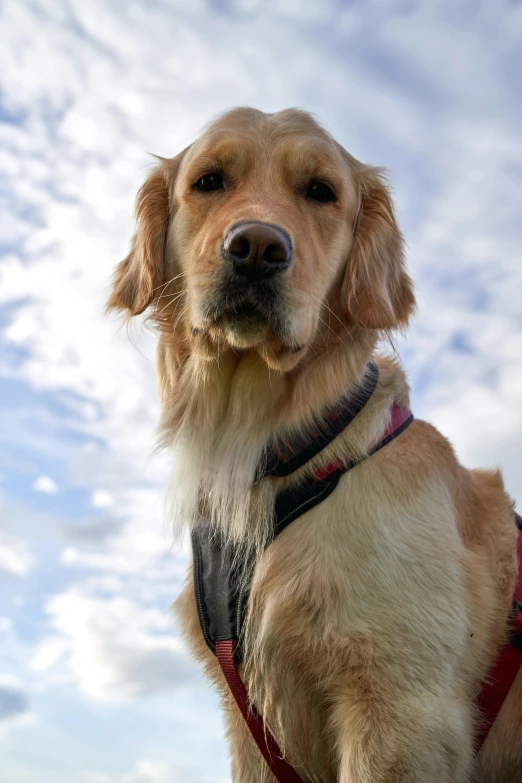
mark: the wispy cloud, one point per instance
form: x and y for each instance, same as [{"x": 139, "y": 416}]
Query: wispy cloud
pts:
[{"x": 15, "y": 557}]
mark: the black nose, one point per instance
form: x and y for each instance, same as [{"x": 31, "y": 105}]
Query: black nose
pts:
[{"x": 257, "y": 250}]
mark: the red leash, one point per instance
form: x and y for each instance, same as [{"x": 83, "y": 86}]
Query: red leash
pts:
[
  {"x": 503, "y": 674},
  {"x": 280, "y": 769}
]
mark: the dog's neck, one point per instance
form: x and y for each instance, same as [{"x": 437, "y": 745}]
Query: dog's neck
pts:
[{"x": 220, "y": 417}]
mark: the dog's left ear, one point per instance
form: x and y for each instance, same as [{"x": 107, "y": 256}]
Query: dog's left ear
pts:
[{"x": 377, "y": 290}]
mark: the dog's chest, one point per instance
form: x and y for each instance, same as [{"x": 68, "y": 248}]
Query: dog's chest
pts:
[
  {"x": 359, "y": 577},
  {"x": 352, "y": 570}
]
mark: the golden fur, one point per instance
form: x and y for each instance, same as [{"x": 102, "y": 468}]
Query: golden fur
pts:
[{"x": 373, "y": 618}]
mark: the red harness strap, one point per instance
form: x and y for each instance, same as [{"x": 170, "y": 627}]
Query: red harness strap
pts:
[
  {"x": 280, "y": 769},
  {"x": 399, "y": 417},
  {"x": 503, "y": 674}
]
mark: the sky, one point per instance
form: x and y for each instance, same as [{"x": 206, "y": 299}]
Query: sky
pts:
[{"x": 95, "y": 683}]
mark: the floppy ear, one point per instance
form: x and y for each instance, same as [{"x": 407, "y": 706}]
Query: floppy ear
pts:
[
  {"x": 138, "y": 275},
  {"x": 376, "y": 288}
]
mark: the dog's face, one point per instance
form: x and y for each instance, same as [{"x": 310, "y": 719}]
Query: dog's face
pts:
[
  {"x": 265, "y": 209},
  {"x": 256, "y": 232}
]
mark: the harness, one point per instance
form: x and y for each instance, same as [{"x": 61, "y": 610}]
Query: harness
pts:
[{"x": 222, "y": 588}]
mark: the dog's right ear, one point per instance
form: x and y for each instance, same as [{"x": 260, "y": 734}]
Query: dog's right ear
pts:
[{"x": 139, "y": 275}]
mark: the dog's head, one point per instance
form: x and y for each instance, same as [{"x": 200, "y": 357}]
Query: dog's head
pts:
[{"x": 259, "y": 233}]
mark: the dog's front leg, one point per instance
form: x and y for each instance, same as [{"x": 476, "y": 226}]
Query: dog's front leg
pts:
[
  {"x": 415, "y": 739},
  {"x": 248, "y": 766}
]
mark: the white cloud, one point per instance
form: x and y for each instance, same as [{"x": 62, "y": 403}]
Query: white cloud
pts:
[
  {"x": 111, "y": 647},
  {"x": 144, "y": 772},
  {"x": 69, "y": 555},
  {"x": 45, "y": 484},
  {"x": 101, "y": 499},
  {"x": 15, "y": 557}
]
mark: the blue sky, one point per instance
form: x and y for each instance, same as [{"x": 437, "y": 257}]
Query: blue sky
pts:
[{"x": 95, "y": 685}]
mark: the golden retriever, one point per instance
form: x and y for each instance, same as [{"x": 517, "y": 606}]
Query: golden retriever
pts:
[{"x": 373, "y": 618}]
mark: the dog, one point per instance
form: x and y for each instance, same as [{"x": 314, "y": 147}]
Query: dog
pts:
[{"x": 270, "y": 262}]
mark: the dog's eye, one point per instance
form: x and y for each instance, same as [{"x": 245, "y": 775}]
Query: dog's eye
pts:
[
  {"x": 210, "y": 182},
  {"x": 320, "y": 191}
]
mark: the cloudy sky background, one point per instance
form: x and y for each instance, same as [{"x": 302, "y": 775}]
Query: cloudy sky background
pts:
[{"x": 95, "y": 686}]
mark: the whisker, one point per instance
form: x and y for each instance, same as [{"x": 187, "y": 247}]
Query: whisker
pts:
[
  {"x": 335, "y": 334},
  {"x": 325, "y": 303},
  {"x": 268, "y": 368},
  {"x": 181, "y": 314},
  {"x": 171, "y": 296},
  {"x": 350, "y": 335},
  {"x": 174, "y": 298},
  {"x": 161, "y": 285}
]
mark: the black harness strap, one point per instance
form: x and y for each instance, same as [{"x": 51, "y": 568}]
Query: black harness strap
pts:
[
  {"x": 294, "y": 501},
  {"x": 282, "y": 459}
]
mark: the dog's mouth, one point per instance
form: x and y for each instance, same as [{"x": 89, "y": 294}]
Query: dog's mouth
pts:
[
  {"x": 244, "y": 324},
  {"x": 246, "y": 316},
  {"x": 249, "y": 317}
]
